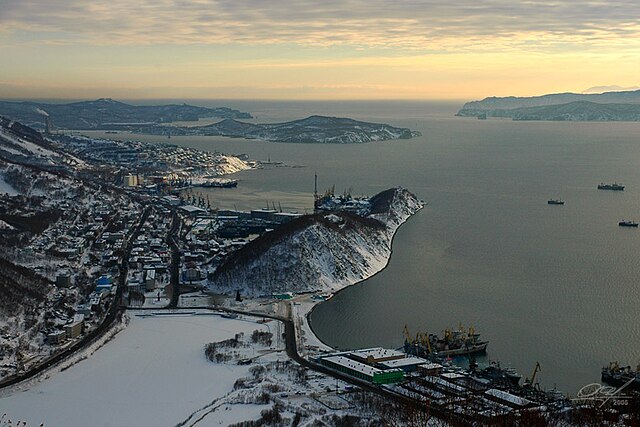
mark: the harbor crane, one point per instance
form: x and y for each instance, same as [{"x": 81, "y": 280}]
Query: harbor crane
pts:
[
  {"x": 531, "y": 382},
  {"x": 407, "y": 336},
  {"x": 420, "y": 338}
]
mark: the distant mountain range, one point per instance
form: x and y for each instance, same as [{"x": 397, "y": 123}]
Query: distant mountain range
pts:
[
  {"x": 105, "y": 113},
  {"x": 607, "y": 106},
  {"x": 313, "y": 129}
]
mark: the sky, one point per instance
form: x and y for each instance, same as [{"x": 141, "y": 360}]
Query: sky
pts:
[{"x": 321, "y": 49}]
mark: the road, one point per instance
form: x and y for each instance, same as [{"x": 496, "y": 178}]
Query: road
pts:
[{"x": 174, "y": 267}]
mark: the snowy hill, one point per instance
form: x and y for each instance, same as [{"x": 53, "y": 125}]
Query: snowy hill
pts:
[
  {"x": 24, "y": 145},
  {"x": 22, "y": 141},
  {"x": 325, "y": 251},
  {"x": 313, "y": 129}
]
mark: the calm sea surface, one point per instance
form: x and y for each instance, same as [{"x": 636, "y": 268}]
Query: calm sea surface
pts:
[{"x": 554, "y": 284}]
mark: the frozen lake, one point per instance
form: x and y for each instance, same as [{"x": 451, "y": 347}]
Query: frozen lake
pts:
[{"x": 153, "y": 374}]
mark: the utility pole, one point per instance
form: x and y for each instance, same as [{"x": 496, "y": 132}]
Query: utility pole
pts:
[{"x": 315, "y": 191}]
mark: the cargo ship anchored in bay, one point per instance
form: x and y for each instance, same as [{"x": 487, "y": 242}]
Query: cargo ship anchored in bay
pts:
[{"x": 615, "y": 186}]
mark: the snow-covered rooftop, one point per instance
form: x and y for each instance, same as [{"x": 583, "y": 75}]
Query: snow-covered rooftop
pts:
[
  {"x": 352, "y": 364},
  {"x": 191, "y": 209},
  {"x": 508, "y": 397},
  {"x": 404, "y": 362},
  {"x": 431, "y": 366},
  {"x": 377, "y": 353}
]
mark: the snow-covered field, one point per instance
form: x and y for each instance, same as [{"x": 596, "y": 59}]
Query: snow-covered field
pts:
[{"x": 153, "y": 374}]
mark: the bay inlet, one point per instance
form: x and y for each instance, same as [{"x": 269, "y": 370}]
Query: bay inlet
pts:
[{"x": 556, "y": 285}]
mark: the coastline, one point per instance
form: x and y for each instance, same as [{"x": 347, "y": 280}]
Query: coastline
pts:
[{"x": 307, "y": 325}]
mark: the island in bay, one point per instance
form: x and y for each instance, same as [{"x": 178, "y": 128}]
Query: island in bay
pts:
[
  {"x": 167, "y": 120},
  {"x": 313, "y": 129}
]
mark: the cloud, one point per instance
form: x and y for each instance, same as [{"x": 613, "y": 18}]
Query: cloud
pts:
[{"x": 426, "y": 25}]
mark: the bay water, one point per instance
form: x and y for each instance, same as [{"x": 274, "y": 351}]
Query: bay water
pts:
[{"x": 557, "y": 285}]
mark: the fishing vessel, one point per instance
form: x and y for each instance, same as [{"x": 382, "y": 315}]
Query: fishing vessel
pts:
[
  {"x": 615, "y": 186},
  {"x": 461, "y": 341},
  {"x": 624, "y": 223},
  {"x": 617, "y": 376},
  {"x": 555, "y": 202},
  {"x": 498, "y": 375}
]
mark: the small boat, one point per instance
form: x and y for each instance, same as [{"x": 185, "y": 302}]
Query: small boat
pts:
[
  {"x": 615, "y": 186},
  {"x": 555, "y": 202},
  {"x": 624, "y": 223}
]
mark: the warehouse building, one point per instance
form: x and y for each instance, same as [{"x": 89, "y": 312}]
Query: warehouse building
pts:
[{"x": 361, "y": 370}]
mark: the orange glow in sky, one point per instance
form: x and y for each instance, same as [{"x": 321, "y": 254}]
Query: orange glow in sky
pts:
[{"x": 285, "y": 49}]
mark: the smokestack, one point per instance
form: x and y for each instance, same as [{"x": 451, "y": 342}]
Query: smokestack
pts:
[{"x": 48, "y": 126}]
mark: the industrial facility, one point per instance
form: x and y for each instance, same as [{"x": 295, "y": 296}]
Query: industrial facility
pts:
[{"x": 376, "y": 365}]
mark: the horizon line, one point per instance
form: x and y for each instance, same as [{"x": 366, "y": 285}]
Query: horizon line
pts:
[{"x": 80, "y": 99}]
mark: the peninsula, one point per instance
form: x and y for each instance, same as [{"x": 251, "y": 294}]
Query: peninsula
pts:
[
  {"x": 106, "y": 113},
  {"x": 325, "y": 251},
  {"x": 607, "y": 106}
]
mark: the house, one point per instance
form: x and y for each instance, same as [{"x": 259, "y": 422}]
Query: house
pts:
[
  {"x": 73, "y": 330},
  {"x": 150, "y": 280},
  {"x": 57, "y": 337},
  {"x": 63, "y": 280},
  {"x": 135, "y": 286},
  {"x": 104, "y": 283},
  {"x": 84, "y": 309}
]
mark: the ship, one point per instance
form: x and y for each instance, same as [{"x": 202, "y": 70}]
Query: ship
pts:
[
  {"x": 499, "y": 376},
  {"x": 456, "y": 342},
  {"x": 618, "y": 376},
  {"x": 624, "y": 223},
  {"x": 220, "y": 183},
  {"x": 615, "y": 186},
  {"x": 555, "y": 202}
]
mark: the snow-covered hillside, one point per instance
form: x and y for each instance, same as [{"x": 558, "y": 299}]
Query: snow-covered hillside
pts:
[
  {"x": 230, "y": 164},
  {"x": 323, "y": 252},
  {"x": 22, "y": 144}
]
